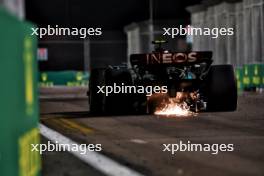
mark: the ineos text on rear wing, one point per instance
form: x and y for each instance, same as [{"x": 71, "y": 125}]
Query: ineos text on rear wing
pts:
[{"x": 157, "y": 58}]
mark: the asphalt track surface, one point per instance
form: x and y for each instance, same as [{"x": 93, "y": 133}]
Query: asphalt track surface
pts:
[{"x": 137, "y": 141}]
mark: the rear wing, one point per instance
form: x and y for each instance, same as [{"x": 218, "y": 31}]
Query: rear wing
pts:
[{"x": 168, "y": 58}]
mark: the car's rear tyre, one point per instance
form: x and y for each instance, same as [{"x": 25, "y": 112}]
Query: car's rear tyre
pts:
[
  {"x": 114, "y": 103},
  {"x": 222, "y": 89},
  {"x": 119, "y": 103},
  {"x": 96, "y": 100}
]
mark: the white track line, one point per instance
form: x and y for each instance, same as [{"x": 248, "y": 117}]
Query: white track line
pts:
[
  {"x": 94, "y": 159},
  {"x": 138, "y": 141}
]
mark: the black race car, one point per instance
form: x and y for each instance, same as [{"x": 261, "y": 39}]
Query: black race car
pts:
[{"x": 203, "y": 86}]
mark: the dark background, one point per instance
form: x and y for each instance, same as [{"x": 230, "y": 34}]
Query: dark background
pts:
[
  {"x": 109, "y": 14},
  {"x": 112, "y": 15}
]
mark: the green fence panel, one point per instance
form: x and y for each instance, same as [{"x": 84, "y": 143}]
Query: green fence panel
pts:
[
  {"x": 66, "y": 78},
  {"x": 253, "y": 76},
  {"x": 262, "y": 75},
  {"x": 19, "y": 103},
  {"x": 256, "y": 79},
  {"x": 239, "y": 78},
  {"x": 247, "y": 76}
]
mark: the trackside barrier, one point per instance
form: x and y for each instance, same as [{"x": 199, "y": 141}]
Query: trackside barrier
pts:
[
  {"x": 253, "y": 77},
  {"x": 262, "y": 76},
  {"x": 66, "y": 78},
  {"x": 239, "y": 77},
  {"x": 19, "y": 103}
]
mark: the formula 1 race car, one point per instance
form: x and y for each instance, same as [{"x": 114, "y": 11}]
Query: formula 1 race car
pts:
[{"x": 154, "y": 78}]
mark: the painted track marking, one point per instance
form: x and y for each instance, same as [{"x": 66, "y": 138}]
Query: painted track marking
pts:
[
  {"x": 138, "y": 141},
  {"x": 100, "y": 162}
]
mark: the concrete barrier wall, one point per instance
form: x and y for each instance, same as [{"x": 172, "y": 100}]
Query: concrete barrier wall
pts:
[
  {"x": 15, "y": 7},
  {"x": 256, "y": 7},
  {"x": 210, "y": 18},
  {"x": 239, "y": 32},
  {"x": 247, "y": 43}
]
